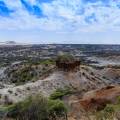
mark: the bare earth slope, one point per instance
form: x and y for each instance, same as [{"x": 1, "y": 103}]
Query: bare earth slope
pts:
[
  {"x": 91, "y": 101},
  {"x": 46, "y": 86},
  {"x": 83, "y": 80},
  {"x": 97, "y": 99}
]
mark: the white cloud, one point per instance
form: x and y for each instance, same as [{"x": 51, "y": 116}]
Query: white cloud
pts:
[{"x": 63, "y": 16}]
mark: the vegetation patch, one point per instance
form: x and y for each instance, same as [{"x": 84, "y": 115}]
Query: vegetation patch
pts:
[
  {"x": 59, "y": 93},
  {"x": 43, "y": 62},
  {"x": 65, "y": 58},
  {"x": 20, "y": 74},
  {"x": 35, "y": 108},
  {"x": 110, "y": 112}
]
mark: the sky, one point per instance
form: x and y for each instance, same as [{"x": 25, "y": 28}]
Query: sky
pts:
[{"x": 60, "y": 21}]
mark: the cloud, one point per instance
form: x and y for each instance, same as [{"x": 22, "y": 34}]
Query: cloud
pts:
[
  {"x": 4, "y": 10},
  {"x": 32, "y": 9},
  {"x": 60, "y": 15}
]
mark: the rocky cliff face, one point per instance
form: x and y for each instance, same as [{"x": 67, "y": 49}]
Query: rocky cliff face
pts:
[{"x": 68, "y": 66}]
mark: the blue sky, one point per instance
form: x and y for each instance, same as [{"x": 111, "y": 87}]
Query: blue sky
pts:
[{"x": 60, "y": 21}]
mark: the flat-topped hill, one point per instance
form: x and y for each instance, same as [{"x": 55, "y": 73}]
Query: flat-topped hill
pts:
[{"x": 67, "y": 62}]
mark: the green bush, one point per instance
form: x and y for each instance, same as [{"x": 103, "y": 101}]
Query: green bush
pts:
[
  {"x": 48, "y": 62},
  {"x": 36, "y": 108},
  {"x": 65, "y": 58},
  {"x": 59, "y": 93},
  {"x": 32, "y": 108},
  {"x": 110, "y": 112},
  {"x": 56, "y": 109},
  {"x": 44, "y": 62},
  {"x": 106, "y": 114}
]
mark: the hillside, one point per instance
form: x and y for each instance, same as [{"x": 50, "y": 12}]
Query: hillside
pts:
[
  {"x": 82, "y": 87},
  {"x": 83, "y": 80}
]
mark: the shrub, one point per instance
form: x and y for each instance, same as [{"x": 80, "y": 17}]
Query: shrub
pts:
[
  {"x": 65, "y": 58},
  {"x": 37, "y": 108},
  {"x": 56, "y": 109},
  {"x": 110, "y": 112},
  {"x": 48, "y": 62},
  {"x": 7, "y": 100},
  {"x": 32, "y": 108},
  {"x": 45, "y": 62},
  {"x": 10, "y": 91},
  {"x": 59, "y": 93},
  {"x": 106, "y": 114}
]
